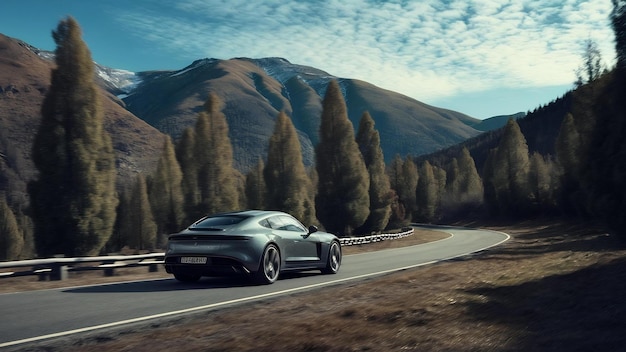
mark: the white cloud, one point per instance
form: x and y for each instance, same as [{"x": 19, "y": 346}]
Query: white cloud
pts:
[{"x": 426, "y": 49}]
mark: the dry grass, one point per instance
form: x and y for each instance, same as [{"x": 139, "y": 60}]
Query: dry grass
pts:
[{"x": 556, "y": 287}]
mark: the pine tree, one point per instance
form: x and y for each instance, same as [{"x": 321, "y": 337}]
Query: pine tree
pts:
[
  {"x": 342, "y": 201},
  {"x": 166, "y": 193},
  {"x": 464, "y": 187},
  {"x": 380, "y": 193},
  {"x": 511, "y": 174},
  {"x": 213, "y": 153},
  {"x": 143, "y": 231},
  {"x": 11, "y": 239},
  {"x": 256, "y": 191},
  {"x": 123, "y": 224},
  {"x": 618, "y": 22},
  {"x": 406, "y": 191},
  {"x": 188, "y": 165},
  {"x": 285, "y": 176},
  {"x": 426, "y": 193},
  {"x": 541, "y": 183},
  {"x": 73, "y": 199},
  {"x": 403, "y": 181}
]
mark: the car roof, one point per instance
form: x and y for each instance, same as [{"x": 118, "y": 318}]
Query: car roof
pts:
[{"x": 252, "y": 213}]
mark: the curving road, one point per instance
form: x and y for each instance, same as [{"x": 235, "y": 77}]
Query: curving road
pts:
[{"x": 38, "y": 315}]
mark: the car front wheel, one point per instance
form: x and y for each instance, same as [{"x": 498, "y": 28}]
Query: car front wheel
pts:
[
  {"x": 334, "y": 259},
  {"x": 270, "y": 265}
]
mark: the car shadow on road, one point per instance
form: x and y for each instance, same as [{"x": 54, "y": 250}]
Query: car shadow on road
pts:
[{"x": 171, "y": 284}]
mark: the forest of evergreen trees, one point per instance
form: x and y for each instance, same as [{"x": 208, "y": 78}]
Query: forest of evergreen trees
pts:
[{"x": 565, "y": 159}]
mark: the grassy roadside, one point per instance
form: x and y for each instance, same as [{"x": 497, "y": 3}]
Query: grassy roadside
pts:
[{"x": 552, "y": 287}]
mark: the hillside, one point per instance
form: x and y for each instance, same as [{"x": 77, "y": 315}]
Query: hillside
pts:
[
  {"x": 24, "y": 81},
  {"x": 255, "y": 90}
]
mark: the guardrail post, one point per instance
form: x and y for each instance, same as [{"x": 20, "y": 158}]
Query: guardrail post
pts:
[{"x": 59, "y": 272}]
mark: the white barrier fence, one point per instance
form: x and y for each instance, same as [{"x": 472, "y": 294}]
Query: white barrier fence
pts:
[{"x": 58, "y": 268}]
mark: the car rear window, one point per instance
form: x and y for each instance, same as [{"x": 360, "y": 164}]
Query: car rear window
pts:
[{"x": 220, "y": 221}]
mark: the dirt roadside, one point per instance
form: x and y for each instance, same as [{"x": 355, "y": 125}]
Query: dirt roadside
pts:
[{"x": 552, "y": 287}]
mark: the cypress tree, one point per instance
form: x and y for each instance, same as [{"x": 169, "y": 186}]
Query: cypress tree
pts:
[
  {"x": 380, "y": 193},
  {"x": 11, "y": 239},
  {"x": 143, "y": 231},
  {"x": 426, "y": 193},
  {"x": 469, "y": 183},
  {"x": 256, "y": 191},
  {"x": 73, "y": 199},
  {"x": 406, "y": 192},
  {"x": 285, "y": 176},
  {"x": 213, "y": 153},
  {"x": 188, "y": 165},
  {"x": 403, "y": 181},
  {"x": 511, "y": 174},
  {"x": 342, "y": 201},
  {"x": 166, "y": 193}
]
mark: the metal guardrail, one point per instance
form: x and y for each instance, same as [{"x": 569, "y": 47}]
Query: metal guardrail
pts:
[{"x": 58, "y": 268}]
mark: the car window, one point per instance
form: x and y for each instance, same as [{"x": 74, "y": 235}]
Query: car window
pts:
[
  {"x": 218, "y": 221},
  {"x": 265, "y": 223},
  {"x": 275, "y": 222},
  {"x": 291, "y": 224}
]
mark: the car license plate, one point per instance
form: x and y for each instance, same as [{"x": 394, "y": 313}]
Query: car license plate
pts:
[{"x": 193, "y": 260}]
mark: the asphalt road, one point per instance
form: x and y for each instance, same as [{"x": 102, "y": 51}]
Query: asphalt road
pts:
[{"x": 37, "y": 315}]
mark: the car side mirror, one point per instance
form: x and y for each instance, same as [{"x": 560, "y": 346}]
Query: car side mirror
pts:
[{"x": 312, "y": 229}]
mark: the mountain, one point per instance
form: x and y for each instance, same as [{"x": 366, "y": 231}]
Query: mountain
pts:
[
  {"x": 24, "y": 81},
  {"x": 141, "y": 107},
  {"x": 255, "y": 90}
]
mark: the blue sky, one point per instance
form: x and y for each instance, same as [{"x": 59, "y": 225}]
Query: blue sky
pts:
[{"x": 479, "y": 57}]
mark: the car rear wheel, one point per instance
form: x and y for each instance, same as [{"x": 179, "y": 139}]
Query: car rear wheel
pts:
[
  {"x": 270, "y": 265},
  {"x": 334, "y": 259},
  {"x": 186, "y": 277}
]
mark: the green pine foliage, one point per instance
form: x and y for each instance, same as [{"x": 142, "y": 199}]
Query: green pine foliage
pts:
[
  {"x": 186, "y": 159},
  {"x": 427, "y": 193},
  {"x": 403, "y": 181},
  {"x": 142, "y": 234},
  {"x": 509, "y": 172},
  {"x": 73, "y": 198},
  {"x": 464, "y": 186},
  {"x": 256, "y": 190},
  {"x": 213, "y": 158},
  {"x": 166, "y": 192},
  {"x": 380, "y": 193},
  {"x": 285, "y": 176},
  {"x": 11, "y": 237},
  {"x": 342, "y": 201}
]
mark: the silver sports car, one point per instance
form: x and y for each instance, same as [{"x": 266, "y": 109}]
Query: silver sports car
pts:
[{"x": 259, "y": 244}]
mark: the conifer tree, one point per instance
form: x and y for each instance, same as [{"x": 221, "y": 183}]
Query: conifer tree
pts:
[
  {"x": 217, "y": 186},
  {"x": 618, "y": 22},
  {"x": 166, "y": 193},
  {"x": 11, "y": 239},
  {"x": 123, "y": 223},
  {"x": 342, "y": 201},
  {"x": 73, "y": 199},
  {"x": 410, "y": 177},
  {"x": 464, "y": 186},
  {"x": 256, "y": 191},
  {"x": 188, "y": 165},
  {"x": 143, "y": 229},
  {"x": 541, "y": 182},
  {"x": 285, "y": 176},
  {"x": 510, "y": 177},
  {"x": 426, "y": 193},
  {"x": 403, "y": 180},
  {"x": 380, "y": 193}
]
